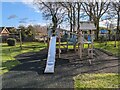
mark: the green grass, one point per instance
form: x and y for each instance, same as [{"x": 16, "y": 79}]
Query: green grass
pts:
[
  {"x": 9, "y": 52},
  {"x": 102, "y": 80},
  {"x": 109, "y": 47}
]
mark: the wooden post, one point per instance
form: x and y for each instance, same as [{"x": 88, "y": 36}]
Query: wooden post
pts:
[
  {"x": 59, "y": 48},
  {"x": 87, "y": 37},
  {"x": 20, "y": 40},
  {"x": 80, "y": 44},
  {"x": 67, "y": 44},
  {"x": 80, "y": 50},
  {"x": 83, "y": 38},
  {"x": 59, "y": 39},
  {"x": 92, "y": 33},
  {"x": 48, "y": 42},
  {"x": 44, "y": 39},
  {"x": 74, "y": 47},
  {"x": 115, "y": 41}
]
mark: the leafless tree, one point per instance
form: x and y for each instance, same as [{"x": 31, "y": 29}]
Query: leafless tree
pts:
[
  {"x": 95, "y": 10},
  {"x": 73, "y": 14},
  {"x": 116, "y": 9},
  {"x": 115, "y": 13},
  {"x": 68, "y": 7},
  {"x": 51, "y": 11}
]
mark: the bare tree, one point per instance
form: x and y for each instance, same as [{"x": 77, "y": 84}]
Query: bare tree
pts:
[
  {"x": 73, "y": 14},
  {"x": 95, "y": 10},
  {"x": 115, "y": 14},
  {"x": 51, "y": 11},
  {"x": 69, "y": 9},
  {"x": 116, "y": 9}
]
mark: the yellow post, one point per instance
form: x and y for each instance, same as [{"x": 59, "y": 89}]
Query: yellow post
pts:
[{"x": 20, "y": 39}]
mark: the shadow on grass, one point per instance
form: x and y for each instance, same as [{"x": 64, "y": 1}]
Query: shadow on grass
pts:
[{"x": 34, "y": 61}]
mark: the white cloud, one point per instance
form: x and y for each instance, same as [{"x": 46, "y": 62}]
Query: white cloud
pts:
[
  {"x": 32, "y": 23},
  {"x": 30, "y": 3}
]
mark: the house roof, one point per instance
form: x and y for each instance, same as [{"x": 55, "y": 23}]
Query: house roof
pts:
[
  {"x": 1, "y": 28},
  {"x": 87, "y": 26},
  {"x": 8, "y": 29}
]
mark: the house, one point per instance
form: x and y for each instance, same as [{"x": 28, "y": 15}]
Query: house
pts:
[{"x": 5, "y": 33}]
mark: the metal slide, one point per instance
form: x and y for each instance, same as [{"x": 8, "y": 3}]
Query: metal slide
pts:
[{"x": 51, "y": 56}]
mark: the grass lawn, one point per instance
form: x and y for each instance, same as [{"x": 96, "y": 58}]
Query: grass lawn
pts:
[
  {"x": 102, "y": 80},
  {"x": 109, "y": 47},
  {"x": 9, "y": 52}
]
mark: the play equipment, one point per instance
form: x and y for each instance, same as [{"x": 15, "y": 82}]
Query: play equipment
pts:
[
  {"x": 51, "y": 52},
  {"x": 76, "y": 38},
  {"x": 72, "y": 40},
  {"x": 51, "y": 56}
]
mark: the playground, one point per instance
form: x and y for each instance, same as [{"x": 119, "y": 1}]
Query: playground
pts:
[
  {"x": 58, "y": 66},
  {"x": 60, "y": 44}
]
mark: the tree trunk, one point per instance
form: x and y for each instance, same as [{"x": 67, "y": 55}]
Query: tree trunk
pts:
[
  {"x": 54, "y": 20},
  {"x": 70, "y": 26},
  {"x": 74, "y": 18},
  {"x": 109, "y": 34},
  {"x": 90, "y": 14},
  {"x": 78, "y": 17},
  {"x": 118, "y": 23},
  {"x": 97, "y": 27},
  {"x": 71, "y": 19},
  {"x": 97, "y": 32}
]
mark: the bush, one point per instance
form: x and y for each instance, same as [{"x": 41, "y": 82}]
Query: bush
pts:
[
  {"x": 11, "y": 42},
  {"x": 102, "y": 39}
]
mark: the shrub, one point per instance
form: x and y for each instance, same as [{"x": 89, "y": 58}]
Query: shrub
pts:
[{"x": 11, "y": 41}]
